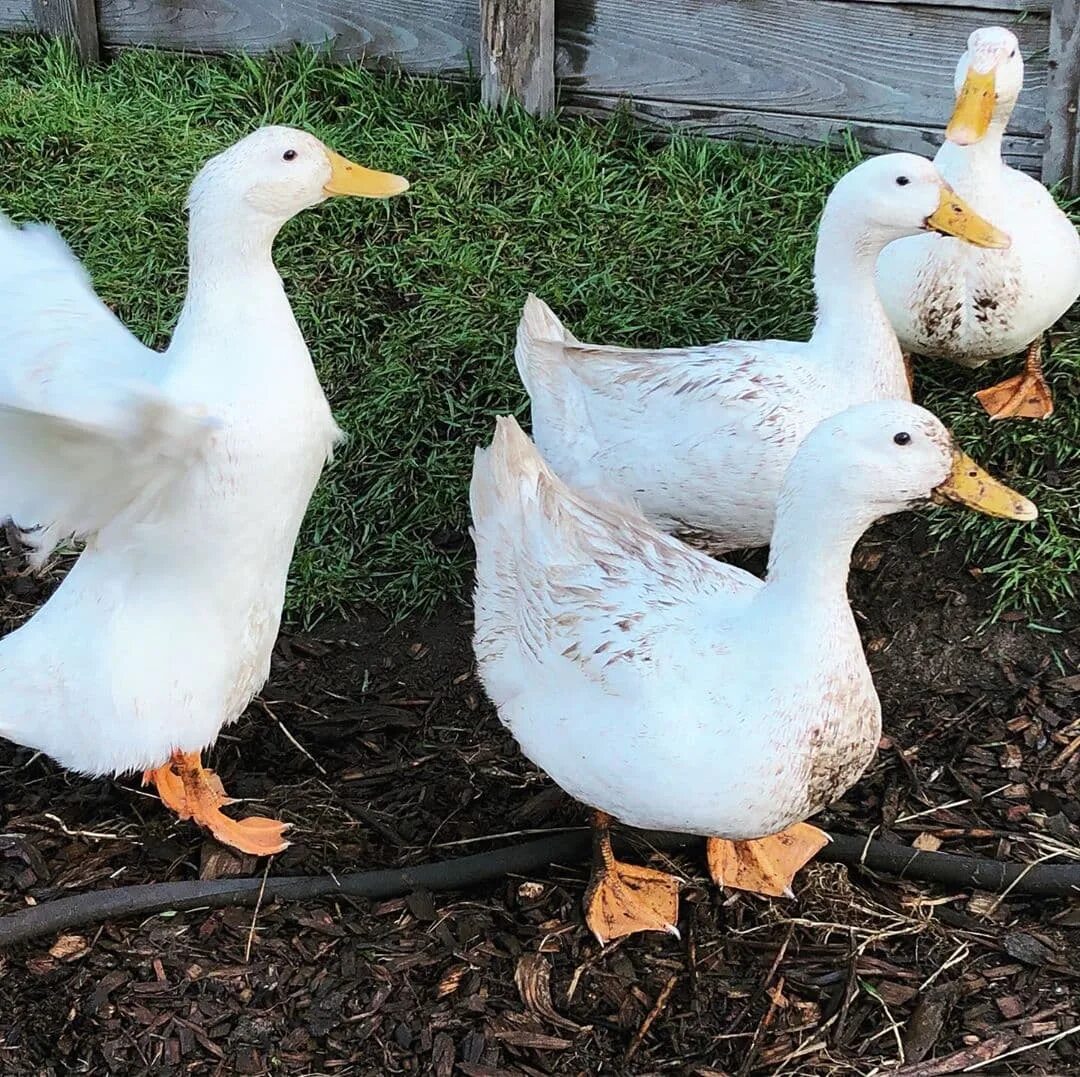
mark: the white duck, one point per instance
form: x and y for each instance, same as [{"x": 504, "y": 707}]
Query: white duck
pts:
[
  {"x": 675, "y": 692},
  {"x": 949, "y": 301},
  {"x": 187, "y": 473},
  {"x": 700, "y": 437}
]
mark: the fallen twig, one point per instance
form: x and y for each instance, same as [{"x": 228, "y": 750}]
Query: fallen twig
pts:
[
  {"x": 653, "y": 1014},
  {"x": 989, "y": 1050}
]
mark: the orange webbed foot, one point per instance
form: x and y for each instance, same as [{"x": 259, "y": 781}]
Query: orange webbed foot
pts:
[
  {"x": 1023, "y": 396},
  {"x": 624, "y": 899},
  {"x": 195, "y": 793},
  {"x": 765, "y": 865}
]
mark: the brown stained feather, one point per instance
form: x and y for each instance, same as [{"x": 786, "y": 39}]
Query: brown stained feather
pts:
[
  {"x": 958, "y": 320},
  {"x": 841, "y": 749},
  {"x": 704, "y": 371},
  {"x": 633, "y": 559}
]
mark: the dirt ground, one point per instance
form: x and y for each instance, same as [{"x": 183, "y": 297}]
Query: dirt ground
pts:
[{"x": 402, "y": 761}]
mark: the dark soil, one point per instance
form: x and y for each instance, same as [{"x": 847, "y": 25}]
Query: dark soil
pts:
[{"x": 403, "y": 761}]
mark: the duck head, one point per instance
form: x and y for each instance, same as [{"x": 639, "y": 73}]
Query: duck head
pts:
[
  {"x": 887, "y": 456},
  {"x": 903, "y": 194},
  {"x": 989, "y": 78},
  {"x": 275, "y": 172}
]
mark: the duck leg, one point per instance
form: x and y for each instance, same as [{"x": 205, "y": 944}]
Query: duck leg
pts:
[
  {"x": 1023, "y": 396},
  {"x": 196, "y": 793},
  {"x": 13, "y": 536},
  {"x": 623, "y": 899},
  {"x": 764, "y": 865}
]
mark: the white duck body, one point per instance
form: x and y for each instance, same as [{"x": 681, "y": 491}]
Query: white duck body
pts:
[
  {"x": 667, "y": 689},
  {"x": 949, "y": 300},
  {"x": 163, "y": 629},
  {"x": 701, "y": 437},
  {"x": 657, "y": 724},
  {"x": 673, "y": 691}
]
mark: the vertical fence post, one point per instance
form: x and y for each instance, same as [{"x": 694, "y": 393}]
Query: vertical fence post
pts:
[
  {"x": 72, "y": 19},
  {"x": 517, "y": 53},
  {"x": 1061, "y": 154}
]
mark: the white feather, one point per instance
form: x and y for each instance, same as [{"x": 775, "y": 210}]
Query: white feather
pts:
[
  {"x": 670, "y": 690},
  {"x": 700, "y": 437},
  {"x": 949, "y": 300},
  {"x": 188, "y": 472},
  {"x": 86, "y": 426}
]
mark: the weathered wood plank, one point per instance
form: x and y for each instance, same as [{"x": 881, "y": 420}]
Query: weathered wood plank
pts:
[
  {"x": 424, "y": 36},
  {"x": 16, "y": 15},
  {"x": 517, "y": 53},
  {"x": 1061, "y": 160},
  {"x": 1024, "y": 152},
  {"x": 75, "y": 20},
  {"x": 834, "y": 58},
  {"x": 974, "y": 5}
]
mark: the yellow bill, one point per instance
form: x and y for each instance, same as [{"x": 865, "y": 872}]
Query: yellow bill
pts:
[
  {"x": 347, "y": 178},
  {"x": 969, "y": 485},
  {"x": 974, "y": 109},
  {"x": 954, "y": 217}
]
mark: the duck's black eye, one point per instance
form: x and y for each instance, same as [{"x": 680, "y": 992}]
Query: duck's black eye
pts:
[
  {"x": 1012, "y": 54},
  {"x": 903, "y": 438},
  {"x": 902, "y": 181},
  {"x": 289, "y": 155}
]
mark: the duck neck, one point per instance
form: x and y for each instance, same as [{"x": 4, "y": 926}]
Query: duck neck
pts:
[
  {"x": 810, "y": 554},
  {"x": 231, "y": 273},
  {"x": 851, "y": 328},
  {"x": 975, "y": 172}
]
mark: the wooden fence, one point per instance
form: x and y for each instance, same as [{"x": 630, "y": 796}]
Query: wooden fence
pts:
[{"x": 798, "y": 71}]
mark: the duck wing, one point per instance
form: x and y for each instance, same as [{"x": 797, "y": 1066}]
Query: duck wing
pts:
[
  {"x": 689, "y": 430},
  {"x": 86, "y": 426},
  {"x": 560, "y": 576}
]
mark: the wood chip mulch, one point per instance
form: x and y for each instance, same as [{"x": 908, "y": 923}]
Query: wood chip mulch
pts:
[{"x": 377, "y": 744}]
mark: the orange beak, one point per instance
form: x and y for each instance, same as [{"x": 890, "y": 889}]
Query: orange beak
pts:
[
  {"x": 347, "y": 178},
  {"x": 974, "y": 109}
]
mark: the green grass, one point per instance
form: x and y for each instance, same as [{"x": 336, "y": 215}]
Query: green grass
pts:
[{"x": 410, "y": 306}]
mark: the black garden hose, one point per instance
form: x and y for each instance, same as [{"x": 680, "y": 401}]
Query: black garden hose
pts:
[{"x": 1047, "y": 880}]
